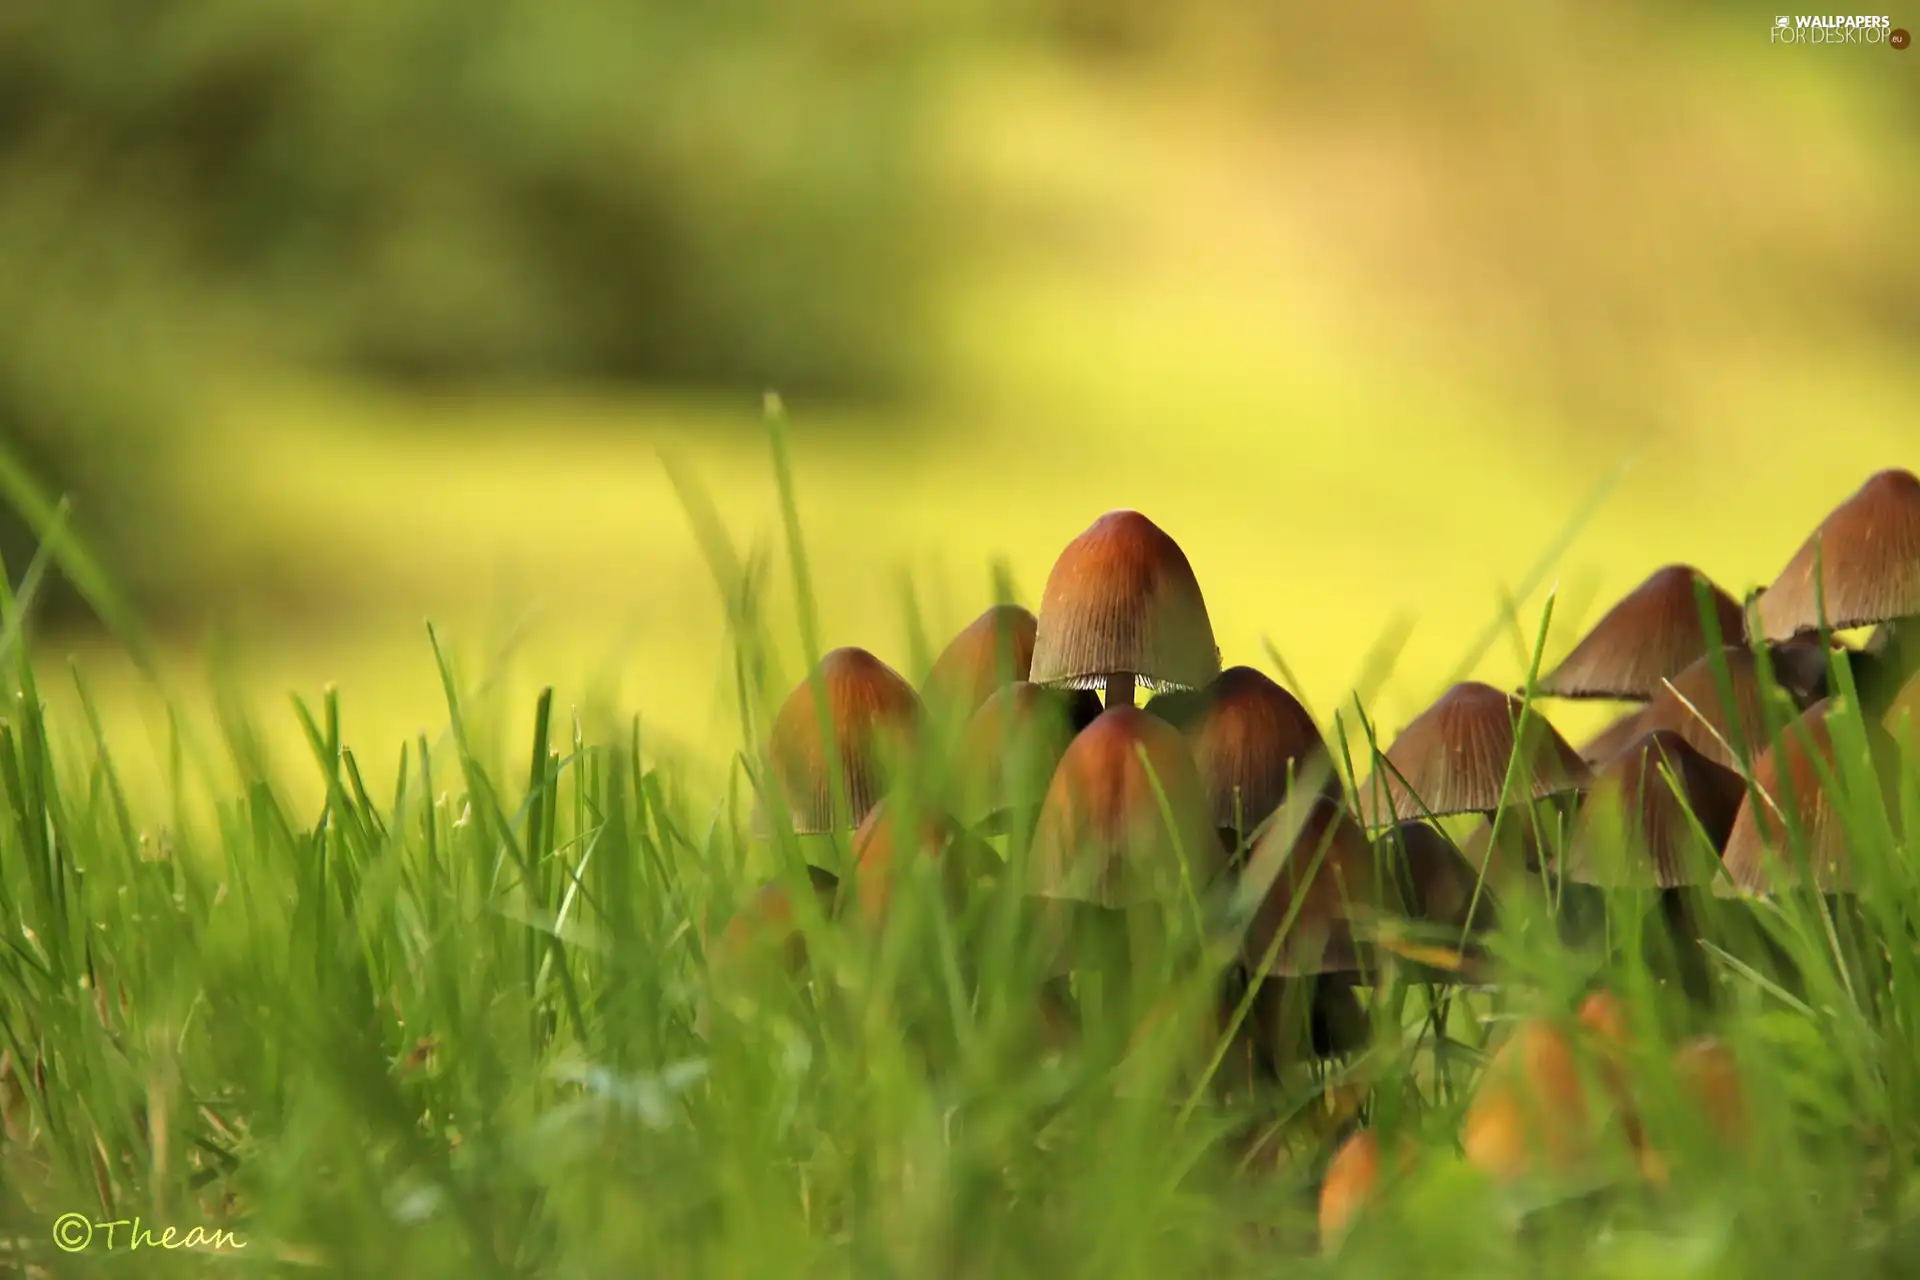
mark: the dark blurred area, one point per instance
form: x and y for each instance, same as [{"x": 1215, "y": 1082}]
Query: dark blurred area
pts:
[
  {"x": 719, "y": 194},
  {"x": 1573, "y": 221}
]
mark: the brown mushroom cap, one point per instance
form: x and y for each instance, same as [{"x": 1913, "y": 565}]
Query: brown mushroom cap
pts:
[
  {"x": 1532, "y": 1107},
  {"x": 993, "y": 650},
  {"x": 878, "y": 858},
  {"x": 1439, "y": 881},
  {"x": 1757, "y": 856},
  {"x": 874, "y": 713},
  {"x": 1655, "y": 631},
  {"x": 1515, "y": 855},
  {"x": 1868, "y": 554},
  {"x": 1251, "y": 738},
  {"x": 1123, "y": 599},
  {"x": 1014, "y": 741},
  {"x": 1718, "y": 728},
  {"x": 764, "y": 925},
  {"x": 1353, "y": 1175},
  {"x": 1454, "y": 757},
  {"x": 1102, "y": 838},
  {"x": 1633, "y": 828},
  {"x": 1612, "y": 740},
  {"x": 1323, "y": 884}
]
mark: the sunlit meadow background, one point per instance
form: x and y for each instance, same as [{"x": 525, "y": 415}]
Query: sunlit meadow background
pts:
[{"x": 334, "y": 319}]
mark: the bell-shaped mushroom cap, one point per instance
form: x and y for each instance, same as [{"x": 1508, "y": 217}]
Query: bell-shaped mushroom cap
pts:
[
  {"x": 1655, "y": 631},
  {"x": 1633, "y": 830},
  {"x": 1323, "y": 884},
  {"x": 1102, "y": 838},
  {"x": 1251, "y": 738},
  {"x": 1612, "y": 740},
  {"x": 874, "y": 714},
  {"x": 1353, "y": 1176},
  {"x": 1514, "y": 855},
  {"x": 1122, "y": 600},
  {"x": 1178, "y": 707},
  {"x": 1353, "y": 1179},
  {"x": 993, "y": 650},
  {"x": 1708, "y": 1076},
  {"x": 1531, "y": 1108},
  {"x": 1864, "y": 558},
  {"x": 1013, "y": 743},
  {"x": 1719, "y": 728},
  {"x": 765, "y": 925},
  {"x": 879, "y": 856},
  {"x": 1438, "y": 882},
  {"x": 1758, "y": 857},
  {"x": 1453, "y": 758}
]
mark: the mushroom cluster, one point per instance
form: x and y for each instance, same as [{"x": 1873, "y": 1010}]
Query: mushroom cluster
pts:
[{"x": 1754, "y": 729}]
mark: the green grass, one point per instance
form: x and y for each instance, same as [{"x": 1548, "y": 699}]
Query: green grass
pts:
[{"x": 472, "y": 1020}]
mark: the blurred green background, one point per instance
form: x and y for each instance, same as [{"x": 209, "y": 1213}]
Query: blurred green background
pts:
[{"x": 333, "y": 317}]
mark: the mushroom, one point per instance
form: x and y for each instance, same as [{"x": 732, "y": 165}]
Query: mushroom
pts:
[
  {"x": 1655, "y": 631},
  {"x": 1863, "y": 560},
  {"x": 763, "y": 932},
  {"x": 767, "y": 925},
  {"x": 1517, "y": 854},
  {"x": 1532, "y": 1112},
  {"x": 1177, "y": 707},
  {"x": 1122, "y": 605},
  {"x": 1608, "y": 743},
  {"x": 878, "y": 860},
  {"x": 1322, "y": 884},
  {"x": 992, "y": 651},
  {"x": 1710, "y": 1083},
  {"x": 1723, "y": 728},
  {"x": 1636, "y": 826},
  {"x": 1351, "y": 1182},
  {"x": 873, "y": 715},
  {"x": 1101, "y": 837},
  {"x": 1251, "y": 739},
  {"x": 1306, "y": 942},
  {"x": 1453, "y": 758},
  {"x": 1787, "y": 781},
  {"x": 1352, "y": 1177},
  {"x": 1439, "y": 889},
  {"x": 1010, "y": 748}
]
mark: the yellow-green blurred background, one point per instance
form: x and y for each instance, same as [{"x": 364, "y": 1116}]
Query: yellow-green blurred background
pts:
[{"x": 336, "y": 317}]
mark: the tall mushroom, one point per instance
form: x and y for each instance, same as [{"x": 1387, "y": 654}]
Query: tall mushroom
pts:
[
  {"x": 872, "y": 715},
  {"x": 1121, "y": 606},
  {"x": 1655, "y": 631}
]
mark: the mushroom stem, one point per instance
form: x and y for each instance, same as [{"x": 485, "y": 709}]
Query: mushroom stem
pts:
[{"x": 1120, "y": 689}]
